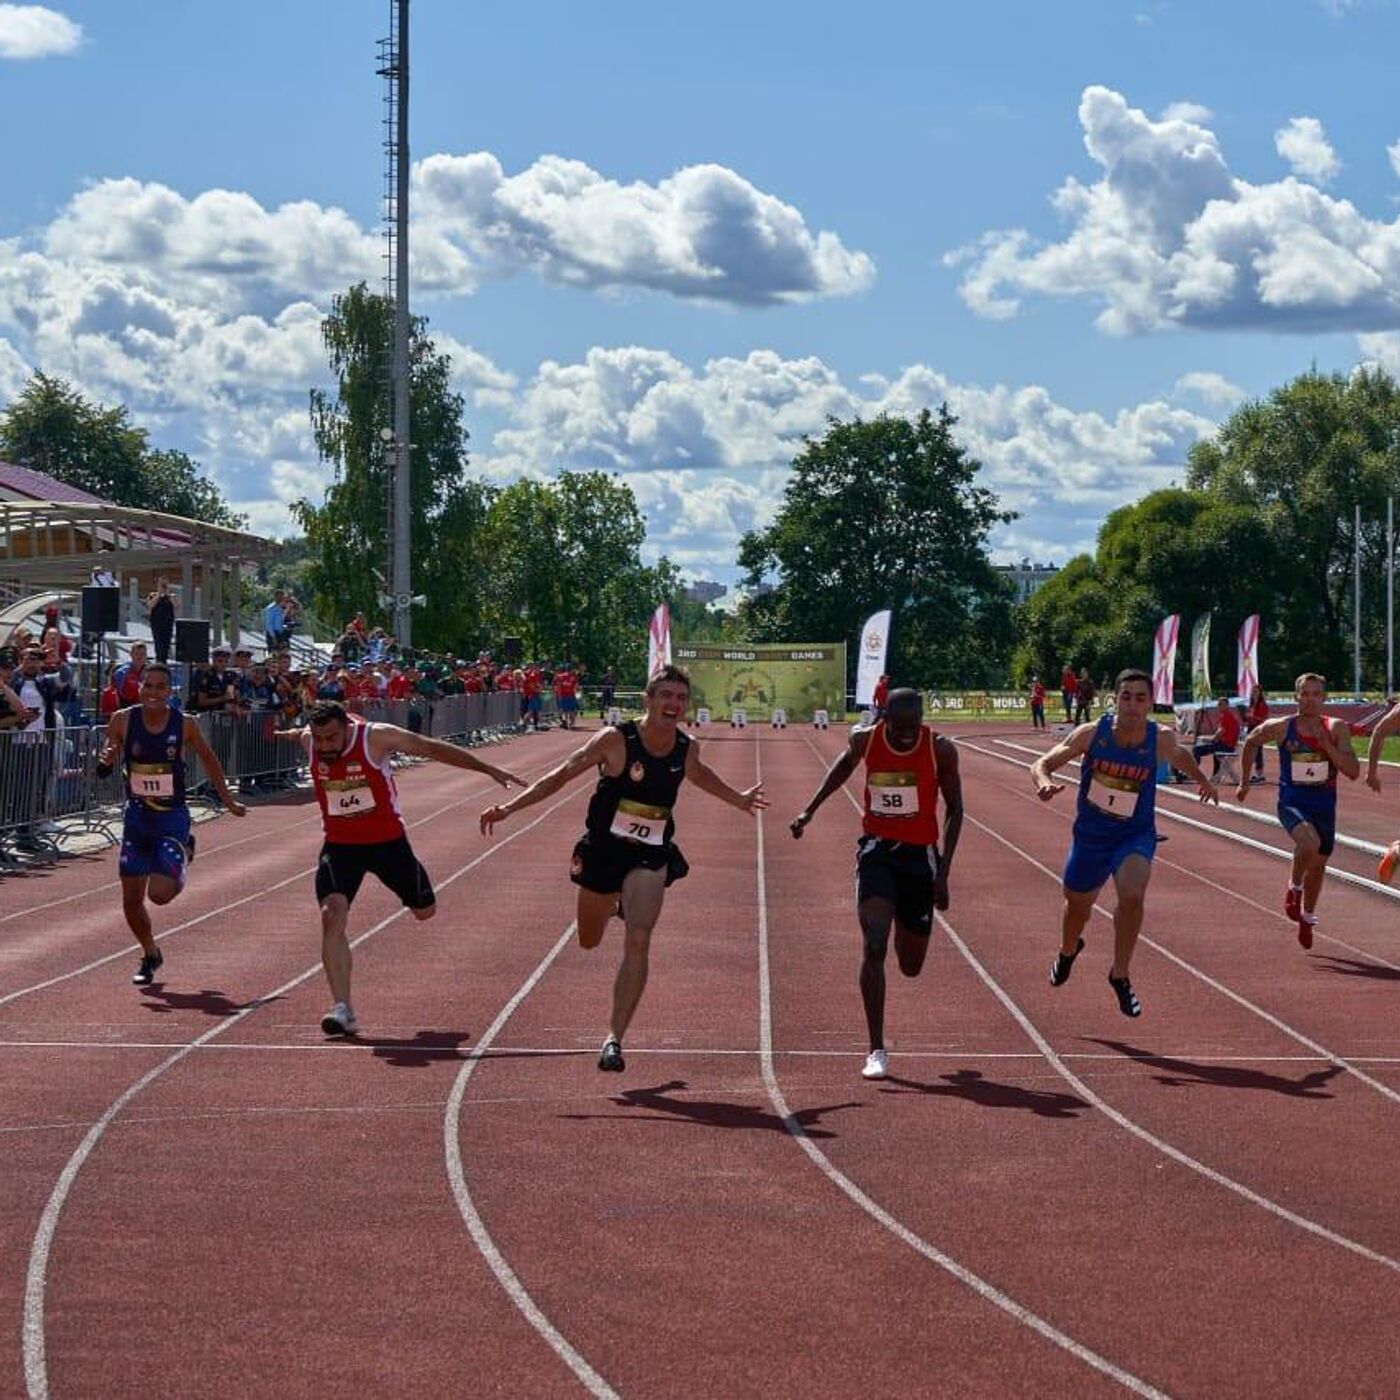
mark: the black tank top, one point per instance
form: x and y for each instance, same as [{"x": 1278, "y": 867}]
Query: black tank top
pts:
[{"x": 637, "y": 805}]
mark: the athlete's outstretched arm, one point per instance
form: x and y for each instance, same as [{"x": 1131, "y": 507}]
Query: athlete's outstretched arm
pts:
[
  {"x": 1389, "y": 724},
  {"x": 835, "y": 778},
  {"x": 707, "y": 780},
  {"x": 606, "y": 747},
  {"x": 111, "y": 749},
  {"x": 1171, "y": 750},
  {"x": 194, "y": 737},
  {"x": 950, "y": 785},
  {"x": 1072, "y": 746},
  {"x": 1336, "y": 744},
  {"x": 1267, "y": 733},
  {"x": 386, "y": 739}
]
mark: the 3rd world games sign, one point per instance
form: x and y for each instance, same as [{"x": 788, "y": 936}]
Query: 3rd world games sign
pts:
[{"x": 799, "y": 679}]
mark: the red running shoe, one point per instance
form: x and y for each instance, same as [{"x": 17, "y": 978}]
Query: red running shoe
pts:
[
  {"x": 1385, "y": 871},
  {"x": 1293, "y": 903},
  {"x": 1305, "y": 930}
]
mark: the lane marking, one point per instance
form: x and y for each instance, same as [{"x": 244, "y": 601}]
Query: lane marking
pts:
[
  {"x": 471, "y": 1217},
  {"x": 34, "y": 1341},
  {"x": 824, "y": 1164}
]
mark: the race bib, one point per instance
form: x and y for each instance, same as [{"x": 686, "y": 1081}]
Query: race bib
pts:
[
  {"x": 352, "y": 800},
  {"x": 894, "y": 794},
  {"x": 156, "y": 784},
  {"x": 635, "y": 821},
  {"x": 1310, "y": 769},
  {"x": 1115, "y": 797}
]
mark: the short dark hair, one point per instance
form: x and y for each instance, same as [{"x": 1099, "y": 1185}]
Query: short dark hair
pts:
[
  {"x": 1129, "y": 676},
  {"x": 328, "y": 712},
  {"x": 153, "y": 666},
  {"x": 668, "y": 674}
]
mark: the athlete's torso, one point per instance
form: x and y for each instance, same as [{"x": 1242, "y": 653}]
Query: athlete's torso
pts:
[
  {"x": 1304, "y": 771},
  {"x": 901, "y": 789},
  {"x": 155, "y": 762},
  {"x": 358, "y": 797},
  {"x": 637, "y": 805},
  {"x": 1117, "y": 784}
]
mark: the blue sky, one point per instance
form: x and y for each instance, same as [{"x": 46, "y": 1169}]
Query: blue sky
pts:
[{"x": 669, "y": 240}]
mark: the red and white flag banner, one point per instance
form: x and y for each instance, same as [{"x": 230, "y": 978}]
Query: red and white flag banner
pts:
[
  {"x": 659, "y": 641},
  {"x": 1247, "y": 669},
  {"x": 1164, "y": 659}
]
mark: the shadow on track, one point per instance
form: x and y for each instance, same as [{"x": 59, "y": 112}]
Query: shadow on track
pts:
[
  {"x": 975, "y": 1087},
  {"x": 711, "y": 1113},
  {"x": 210, "y": 1002},
  {"x": 1349, "y": 967},
  {"x": 1184, "y": 1073}
]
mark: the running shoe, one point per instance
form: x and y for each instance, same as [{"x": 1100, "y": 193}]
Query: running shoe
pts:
[
  {"x": 1293, "y": 902},
  {"x": 611, "y": 1058},
  {"x": 1063, "y": 965},
  {"x": 877, "y": 1065},
  {"x": 1385, "y": 871},
  {"x": 145, "y": 972},
  {"x": 340, "y": 1020},
  {"x": 1307, "y": 923},
  {"x": 1128, "y": 1002}
]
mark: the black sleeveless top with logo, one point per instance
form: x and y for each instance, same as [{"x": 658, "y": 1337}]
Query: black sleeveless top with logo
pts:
[{"x": 636, "y": 806}]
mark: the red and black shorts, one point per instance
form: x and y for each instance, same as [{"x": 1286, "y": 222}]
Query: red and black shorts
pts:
[
  {"x": 602, "y": 863},
  {"x": 343, "y": 867}
]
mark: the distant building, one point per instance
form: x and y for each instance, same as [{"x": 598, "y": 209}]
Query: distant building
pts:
[
  {"x": 705, "y": 591},
  {"x": 1026, "y": 577}
]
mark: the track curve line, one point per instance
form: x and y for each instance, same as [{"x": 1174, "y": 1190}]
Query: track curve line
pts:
[{"x": 33, "y": 1338}]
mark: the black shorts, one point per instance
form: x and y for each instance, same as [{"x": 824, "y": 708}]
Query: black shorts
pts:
[
  {"x": 901, "y": 873},
  {"x": 343, "y": 867},
  {"x": 602, "y": 863}
]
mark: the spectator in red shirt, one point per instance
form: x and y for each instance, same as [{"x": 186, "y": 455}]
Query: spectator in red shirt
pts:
[
  {"x": 1037, "y": 703},
  {"x": 566, "y": 695},
  {"x": 399, "y": 685},
  {"x": 109, "y": 702},
  {"x": 1254, "y": 716},
  {"x": 1225, "y": 739},
  {"x": 881, "y": 694},
  {"x": 530, "y": 689},
  {"x": 1069, "y": 685},
  {"x": 128, "y": 677}
]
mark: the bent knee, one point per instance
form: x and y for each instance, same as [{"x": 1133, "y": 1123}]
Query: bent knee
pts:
[{"x": 426, "y": 912}]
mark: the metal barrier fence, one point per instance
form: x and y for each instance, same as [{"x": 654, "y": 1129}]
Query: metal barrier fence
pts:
[{"x": 50, "y": 789}]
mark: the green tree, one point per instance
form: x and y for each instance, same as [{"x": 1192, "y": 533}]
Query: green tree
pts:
[
  {"x": 347, "y": 535},
  {"x": 887, "y": 513},
  {"x": 54, "y": 429}
]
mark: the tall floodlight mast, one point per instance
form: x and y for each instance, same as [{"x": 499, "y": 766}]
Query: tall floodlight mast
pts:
[{"x": 393, "y": 68}]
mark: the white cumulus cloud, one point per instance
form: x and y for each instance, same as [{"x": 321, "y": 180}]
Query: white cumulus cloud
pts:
[
  {"x": 1211, "y": 388},
  {"x": 1168, "y": 236},
  {"x": 35, "y": 31},
  {"x": 1304, "y": 145}
]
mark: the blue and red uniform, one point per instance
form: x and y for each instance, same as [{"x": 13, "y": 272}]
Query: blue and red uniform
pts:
[
  {"x": 1307, "y": 786},
  {"x": 1117, "y": 808},
  {"x": 156, "y": 837}
]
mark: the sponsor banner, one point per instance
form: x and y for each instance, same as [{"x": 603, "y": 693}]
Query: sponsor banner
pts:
[
  {"x": 1247, "y": 658},
  {"x": 799, "y": 679},
  {"x": 1200, "y": 658},
  {"x": 874, "y": 646},
  {"x": 1164, "y": 659}
]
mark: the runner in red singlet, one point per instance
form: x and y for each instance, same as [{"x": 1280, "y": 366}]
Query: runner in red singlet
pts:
[
  {"x": 901, "y": 877},
  {"x": 364, "y": 830}
]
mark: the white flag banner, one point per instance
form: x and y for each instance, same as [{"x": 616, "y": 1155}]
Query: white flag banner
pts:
[
  {"x": 659, "y": 641},
  {"x": 874, "y": 644},
  {"x": 1247, "y": 669},
  {"x": 1164, "y": 659}
]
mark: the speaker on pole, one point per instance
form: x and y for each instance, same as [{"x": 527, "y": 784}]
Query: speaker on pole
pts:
[
  {"x": 512, "y": 649},
  {"x": 192, "y": 640},
  {"x": 101, "y": 609}
]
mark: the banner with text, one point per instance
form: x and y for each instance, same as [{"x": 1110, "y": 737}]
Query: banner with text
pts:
[
  {"x": 1200, "y": 658},
  {"x": 761, "y": 678},
  {"x": 1247, "y": 668},
  {"x": 1164, "y": 659},
  {"x": 874, "y": 645}
]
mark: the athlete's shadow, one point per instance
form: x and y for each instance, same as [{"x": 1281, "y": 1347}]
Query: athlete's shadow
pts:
[
  {"x": 1350, "y": 967},
  {"x": 210, "y": 1002},
  {"x": 1182, "y": 1074},
  {"x": 975, "y": 1087},
  {"x": 415, "y": 1051},
  {"x": 711, "y": 1113}
]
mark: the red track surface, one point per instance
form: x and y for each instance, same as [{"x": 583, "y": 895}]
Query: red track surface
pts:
[{"x": 1044, "y": 1198}]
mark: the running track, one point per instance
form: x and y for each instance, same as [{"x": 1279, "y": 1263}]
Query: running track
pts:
[{"x": 200, "y": 1196}]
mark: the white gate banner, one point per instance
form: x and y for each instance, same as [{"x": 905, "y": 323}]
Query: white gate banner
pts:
[{"x": 874, "y": 643}]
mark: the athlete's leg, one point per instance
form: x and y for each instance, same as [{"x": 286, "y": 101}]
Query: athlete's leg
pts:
[
  {"x": 911, "y": 948},
  {"x": 642, "y": 894},
  {"x": 876, "y": 915},
  {"x": 594, "y": 911},
  {"x": 1130, "y": 880},
  {"x": 335, "y": 947},
  {"x": 1079, "y": 904},
  {"x": 138, "y": 917},
  {"x": 1309, "y": 864}
]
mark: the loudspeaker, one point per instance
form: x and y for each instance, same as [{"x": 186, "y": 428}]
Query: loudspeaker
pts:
[
  {"x": 192, "y": 639},
  {"x": 101, "y": 609},
  {"x": 512, "y": 649}
]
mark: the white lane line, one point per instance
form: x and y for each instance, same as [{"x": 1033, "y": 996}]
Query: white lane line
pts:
[
  {"x": 262, "y": 892},
  {"x": 35, "y": 1355},
  {"x": 1159, "y": 1144},
  {"x": 1127, "y": 1124},
  {"x": 987, "y": 1291},
  {"x": 471, "y": 1217}
]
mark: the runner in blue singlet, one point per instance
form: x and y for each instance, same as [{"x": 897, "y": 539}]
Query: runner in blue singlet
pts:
[
  {"x": 1312, "y": 750},
  {"x": 1115, "y": 832}
]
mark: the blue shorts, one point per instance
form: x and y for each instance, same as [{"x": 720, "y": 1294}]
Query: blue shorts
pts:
[
  {"x": 1091, "y": 862},
  {"x": 568, "y": 704},
  {"x": 533, "y": 704},
  {"x": 155, "y": 843},
  {"x": 1322, "y": 820}
]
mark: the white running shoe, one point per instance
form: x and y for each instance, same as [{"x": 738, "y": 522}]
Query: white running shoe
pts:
[
  {"x": 877, "y": 1065},
  {"x": 340, "y": 1020}
]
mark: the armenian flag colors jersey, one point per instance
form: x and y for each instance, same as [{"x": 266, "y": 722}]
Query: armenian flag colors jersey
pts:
[
  {"x": 901, "y": 789},
  {"x": 1304, "y": 771},
  {"x": 359, "y": 801}
]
